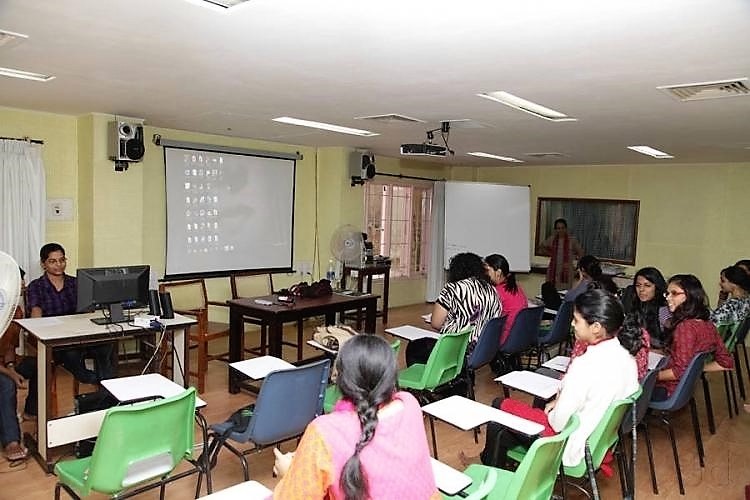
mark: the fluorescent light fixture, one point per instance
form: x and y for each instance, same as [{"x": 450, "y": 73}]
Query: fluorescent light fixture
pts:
[
  {"x": 10, "y": 38},
  {"x": 527, "y": 106},
  {"x": 17, "y": 73},
  {"x": 325, "y": 126},
  {"x": 648, "y": 150},
  {"x": 495, "y": 157},
  {"x": 217, "y": 5}
]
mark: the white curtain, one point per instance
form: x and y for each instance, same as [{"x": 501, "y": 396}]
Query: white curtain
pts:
[
  {"x": 22, "y": 206},
  {"x": 435, "y": 270}
]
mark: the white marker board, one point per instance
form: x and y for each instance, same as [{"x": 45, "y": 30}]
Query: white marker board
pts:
[{"x": 486, "y": 218}]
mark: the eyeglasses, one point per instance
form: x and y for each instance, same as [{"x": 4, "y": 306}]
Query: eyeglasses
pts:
[{"x": 673, "y": 294}]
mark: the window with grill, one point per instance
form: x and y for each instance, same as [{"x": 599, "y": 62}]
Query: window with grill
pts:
[{"x": 397, "y": 218}]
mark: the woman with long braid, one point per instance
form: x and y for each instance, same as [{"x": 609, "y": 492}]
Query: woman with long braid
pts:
[{"x": 373, "y": 444}]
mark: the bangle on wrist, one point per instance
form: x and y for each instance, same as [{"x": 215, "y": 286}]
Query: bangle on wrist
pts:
[{"x": 10, "y": 364}]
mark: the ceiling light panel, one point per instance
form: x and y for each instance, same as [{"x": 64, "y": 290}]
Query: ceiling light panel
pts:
[
  {"x": 648, "y": 150},
  {"x": 25, "y": 75},
  {"x": 325, "y": 126},
  {"x": 9, "y": 38},
  {"x": 480, "y": 154},
  {"x": 527, "y": 106},
  {"x": 217, "y": 5}
]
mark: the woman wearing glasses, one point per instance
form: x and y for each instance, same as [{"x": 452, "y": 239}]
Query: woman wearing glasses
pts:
[
  {"x": 645, "y": 302},
  {"x": 688, "y": 332}
]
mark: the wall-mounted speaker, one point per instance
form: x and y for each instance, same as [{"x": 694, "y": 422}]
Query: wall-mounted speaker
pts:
[
  {"x": 126, "y": 141},
  {"x": 361, "y": 167}
]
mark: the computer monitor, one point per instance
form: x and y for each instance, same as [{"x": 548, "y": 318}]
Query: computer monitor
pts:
[{"x": 112, "y": 288}]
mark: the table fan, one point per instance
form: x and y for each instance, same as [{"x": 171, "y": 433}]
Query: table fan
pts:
[{"x": 10, "y": 290}]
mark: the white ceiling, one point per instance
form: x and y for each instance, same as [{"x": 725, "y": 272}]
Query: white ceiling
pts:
[{"x": 182, "y": 66}]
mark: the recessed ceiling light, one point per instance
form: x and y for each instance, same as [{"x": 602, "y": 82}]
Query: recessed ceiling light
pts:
[
  {"x": 648, "y": 150},
  {"x": 217, "y": 5},
  {"x": 527, "y": 106},
  {"x": 325, "y": 126},
  {"x": 495, "y": 157},
  {"x": 17, "y": 73}
]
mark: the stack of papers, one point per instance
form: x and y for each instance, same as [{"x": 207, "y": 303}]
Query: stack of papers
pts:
[
  {"x": 558, "y": 363},
  {"x": 409, "y": 332}
]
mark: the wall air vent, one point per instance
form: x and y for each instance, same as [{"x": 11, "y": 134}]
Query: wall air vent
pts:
[
  {"x": 549, "y": 155},
  {"x": 390, "y": 118},
  {"x": 708, "y": 90}
]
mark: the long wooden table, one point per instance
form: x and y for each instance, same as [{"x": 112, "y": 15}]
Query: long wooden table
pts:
[
  {"x": 79, "y": 330},
  {"x": 275, "y": 315}
]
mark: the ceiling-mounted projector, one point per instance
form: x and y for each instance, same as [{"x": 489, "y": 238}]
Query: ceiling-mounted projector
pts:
[{"x": 423, "y": 150}]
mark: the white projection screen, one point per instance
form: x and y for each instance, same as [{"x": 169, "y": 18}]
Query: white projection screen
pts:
[
  {"x": 227, "y": 210},
  {"x": 486, "y": 218}
]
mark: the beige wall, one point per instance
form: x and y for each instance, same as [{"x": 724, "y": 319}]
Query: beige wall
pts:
[{"x": 692, "y": 217}]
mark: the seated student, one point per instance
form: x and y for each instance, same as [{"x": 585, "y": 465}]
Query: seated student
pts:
[
  {"x": 606, "y": 372},
  {"x": 688, "y": 332},
  {"x": 55, "y": 294},
  {"x": 468, "y": 299},
  {"x": 512, "y": 296},
  {"x": 13, "y": 377},
  {"x": 743, "y": 264},
  {"x": 735, "y": 283},
  {"x": 588, "y": 271},
  {"x": 373, "y": 445},
  {"x": 644, "y": 301}
]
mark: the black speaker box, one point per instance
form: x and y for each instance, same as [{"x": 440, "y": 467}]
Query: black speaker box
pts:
[
  {"x": 167, "y": 311},
  {"x": 154, "y": 307}
]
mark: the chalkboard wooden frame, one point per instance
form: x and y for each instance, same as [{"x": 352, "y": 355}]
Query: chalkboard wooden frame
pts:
[{"x": 606, "y": 228}]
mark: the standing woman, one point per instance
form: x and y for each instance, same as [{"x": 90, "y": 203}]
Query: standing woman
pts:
[
  {"x": 467, "y": 299},
  {"x": 688, "y": 332},
  {"x": 562, "y": 248},
  {"x": 373, "y": 445},
  {"x": 735, "y": 283},
  {"x": 646, "y": 303},
  {"x": 512, "y": 296}
]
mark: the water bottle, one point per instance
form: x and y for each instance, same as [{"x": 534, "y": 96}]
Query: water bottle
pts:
[{"x": 331, "y": 274}]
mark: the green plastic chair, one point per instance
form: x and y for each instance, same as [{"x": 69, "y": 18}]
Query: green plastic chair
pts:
[
  {"x": 533, "y": 479},
  {"x": 604, "y": 438},
  {"x": 136, "y": 443},
  {"x": 333, "y": 394},
  {"x": 444, "y": 364}
]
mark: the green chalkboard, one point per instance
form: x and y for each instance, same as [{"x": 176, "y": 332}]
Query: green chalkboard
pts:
[{"x": 607, "y": 229}]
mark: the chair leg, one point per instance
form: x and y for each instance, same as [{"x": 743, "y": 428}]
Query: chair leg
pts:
[
  {"x": 650, "y": 452},
  {"x": 263, "y": 337},
  {"x": 591, "y": 473},
  {"x": 300, "y": 337},
  {"x": 621, "y": 460},
  {"x": 730, "y": 376},
  {"x": 202, "y": 364},
  {"x": 697, "y": 431},
  {"x": 747, "y": 361},
  {"x": 738, "y": 368},
  {"x": 162, "y": 490},
  {"x": 57, "y": 491},
  {"x": 672, "y": 440},
  {"x": 709, "y": 406}
]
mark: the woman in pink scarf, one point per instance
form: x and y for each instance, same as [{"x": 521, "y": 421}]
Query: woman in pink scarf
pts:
[
  {"x": 373, "y": 444},
  {"x": 562, "y": 248}
]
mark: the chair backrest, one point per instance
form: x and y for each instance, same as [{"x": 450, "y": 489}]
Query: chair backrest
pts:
[
  {"x": 641, "y": 405},
  {"x": 141, "y": 442},
  {"x": 728, "y": 333},
  {"x": 683, "y": 393},
  {"x": 487, "y": 344},
  {"x": 560, "y": 329},
  {"x": 524, "y": 332},
  {"x": 446, "y": 359},
  {"x": 187, "y": 295},
  {"x": 535, "y": 476},
  {"x": 287, "y": 402},
  {"x": 606, "y": 434},
  {"x": 485, "y": 487},
  {"x": 250, "y": 284},
  {"x": 742, "y": 330}
]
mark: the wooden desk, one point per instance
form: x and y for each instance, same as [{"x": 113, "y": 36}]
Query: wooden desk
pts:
[
  {"x": 275, "y": 315},
  {"x": 368, "y": 271},
  {"x": 77, "y": 330}
]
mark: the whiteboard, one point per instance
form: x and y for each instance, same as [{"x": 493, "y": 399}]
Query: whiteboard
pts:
[{"x": 486, "y": 218}]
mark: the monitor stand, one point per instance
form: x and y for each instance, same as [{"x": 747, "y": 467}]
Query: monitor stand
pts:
[{"x": 115, "y": 315}]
